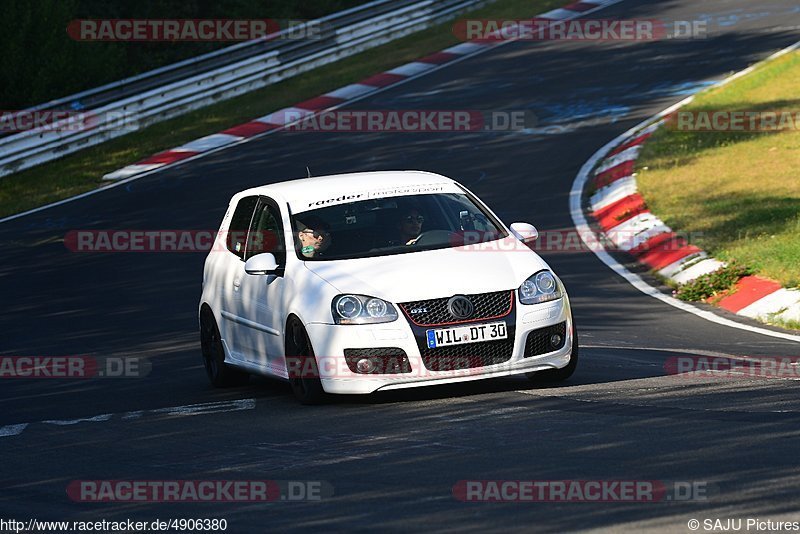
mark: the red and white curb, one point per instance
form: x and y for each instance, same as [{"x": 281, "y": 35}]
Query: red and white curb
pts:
[
  {"x": 626, "y": 221},
  {"x": 284, "y": 117}
]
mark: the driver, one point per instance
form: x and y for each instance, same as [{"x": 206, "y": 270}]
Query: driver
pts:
[
  {"x": 409, "y": 227},
  {"x": 314, "y": 236}
]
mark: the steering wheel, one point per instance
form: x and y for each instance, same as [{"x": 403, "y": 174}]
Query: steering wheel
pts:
[{"x": 431, "y": 237}]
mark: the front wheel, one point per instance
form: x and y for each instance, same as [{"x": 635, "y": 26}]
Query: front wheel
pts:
[
  {"x": 301, "y": 365},
  {"x": 559, "y": 375},
  {"x": 219, "y": 373}
]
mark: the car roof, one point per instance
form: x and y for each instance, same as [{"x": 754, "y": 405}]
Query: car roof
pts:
[{"x": 297, "y": 192}]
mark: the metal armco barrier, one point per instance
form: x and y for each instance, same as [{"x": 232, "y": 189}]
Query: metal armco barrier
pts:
[{"x": 134, "y": 103}]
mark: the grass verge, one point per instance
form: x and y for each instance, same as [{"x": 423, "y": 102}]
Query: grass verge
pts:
[
  {"x": 83, "y": 171},
  {"x": 712, "y": 285},
  {"x": 738, "y": 193}
]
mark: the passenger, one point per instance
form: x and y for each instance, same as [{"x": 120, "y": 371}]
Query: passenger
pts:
[{"x": 314, "y": 236}]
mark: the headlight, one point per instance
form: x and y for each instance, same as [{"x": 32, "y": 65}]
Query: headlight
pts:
[
  {"x": 348, "y": 307},
  {"x": 361, "y": 309},
  {"x": 541, "y": 287}
]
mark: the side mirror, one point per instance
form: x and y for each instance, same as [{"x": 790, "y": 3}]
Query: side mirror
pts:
[
  {"x": 527, "y": 233},
  {"x": 262, "y": 264}
]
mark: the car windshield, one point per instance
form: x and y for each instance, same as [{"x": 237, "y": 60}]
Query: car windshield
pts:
[{"x": 392, "y": 225}]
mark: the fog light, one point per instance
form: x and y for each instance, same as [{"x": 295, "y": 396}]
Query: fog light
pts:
[
  {"x": 365, "y": 365},
  {"x": 555, "y": 340}
]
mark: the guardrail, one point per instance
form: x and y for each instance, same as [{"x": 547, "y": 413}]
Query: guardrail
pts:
[{"x": 134, "y": 103}]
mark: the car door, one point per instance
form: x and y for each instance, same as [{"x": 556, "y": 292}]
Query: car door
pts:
[
  {"x": 262, "y": 311},
  {"x": 228, "y": 269}
]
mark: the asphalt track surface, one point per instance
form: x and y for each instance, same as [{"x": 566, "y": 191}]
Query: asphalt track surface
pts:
[{"x": 392, "y": 459}]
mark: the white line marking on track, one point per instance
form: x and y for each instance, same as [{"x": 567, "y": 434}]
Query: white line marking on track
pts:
[
  {"x": 172, "y": 411},
  {"x": 12, "y": 430},
  {"x": 70, "y": 422},
  {"x": 211, "y": 407}
]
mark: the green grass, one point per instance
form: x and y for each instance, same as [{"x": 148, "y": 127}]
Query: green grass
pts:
[
  {"x": 712, "y": 285},
  {"x": 83, "y": 171},
  {"x": 784, "y": 323},
  {"x": 739, "y": 190}
]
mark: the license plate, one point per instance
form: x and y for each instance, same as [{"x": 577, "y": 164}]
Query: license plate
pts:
[{"x": 443, "y": 337}]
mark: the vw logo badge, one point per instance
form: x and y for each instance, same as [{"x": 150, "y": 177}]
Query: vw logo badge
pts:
[{"x": 460, "y": 307}]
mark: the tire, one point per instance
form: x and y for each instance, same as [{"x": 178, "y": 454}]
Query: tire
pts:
[
  {"x": 302, "y": 365},
  {"x": 220, "y": 374},
  {"x": 559, "y": 375}
]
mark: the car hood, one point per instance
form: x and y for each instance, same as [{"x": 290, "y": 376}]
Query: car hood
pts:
[{"x": 430, "y": 274}]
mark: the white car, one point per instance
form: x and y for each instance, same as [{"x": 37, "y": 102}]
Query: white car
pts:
[{"x": 374, "y": 281}]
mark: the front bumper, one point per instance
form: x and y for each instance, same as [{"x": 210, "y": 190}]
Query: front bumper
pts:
[{"x": 330, "y": 342}]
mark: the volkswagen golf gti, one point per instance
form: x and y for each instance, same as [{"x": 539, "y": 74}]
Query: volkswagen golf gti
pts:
[{"x": 365, "y": 282}]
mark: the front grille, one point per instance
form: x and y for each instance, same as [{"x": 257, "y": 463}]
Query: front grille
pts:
[
  {"x": 387, "y": 360},
  {"x": 538, "y": 341},
  {"x": 486, "y": 306},
  {"x": 466, "y": 356}
]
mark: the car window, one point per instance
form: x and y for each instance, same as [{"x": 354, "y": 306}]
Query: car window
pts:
[
  {"x": 236, "y": 238},
  {"x": 460, "y": 208},
  {"x": 397, "y": 225},
  {"x": 266, "y": 232}
]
